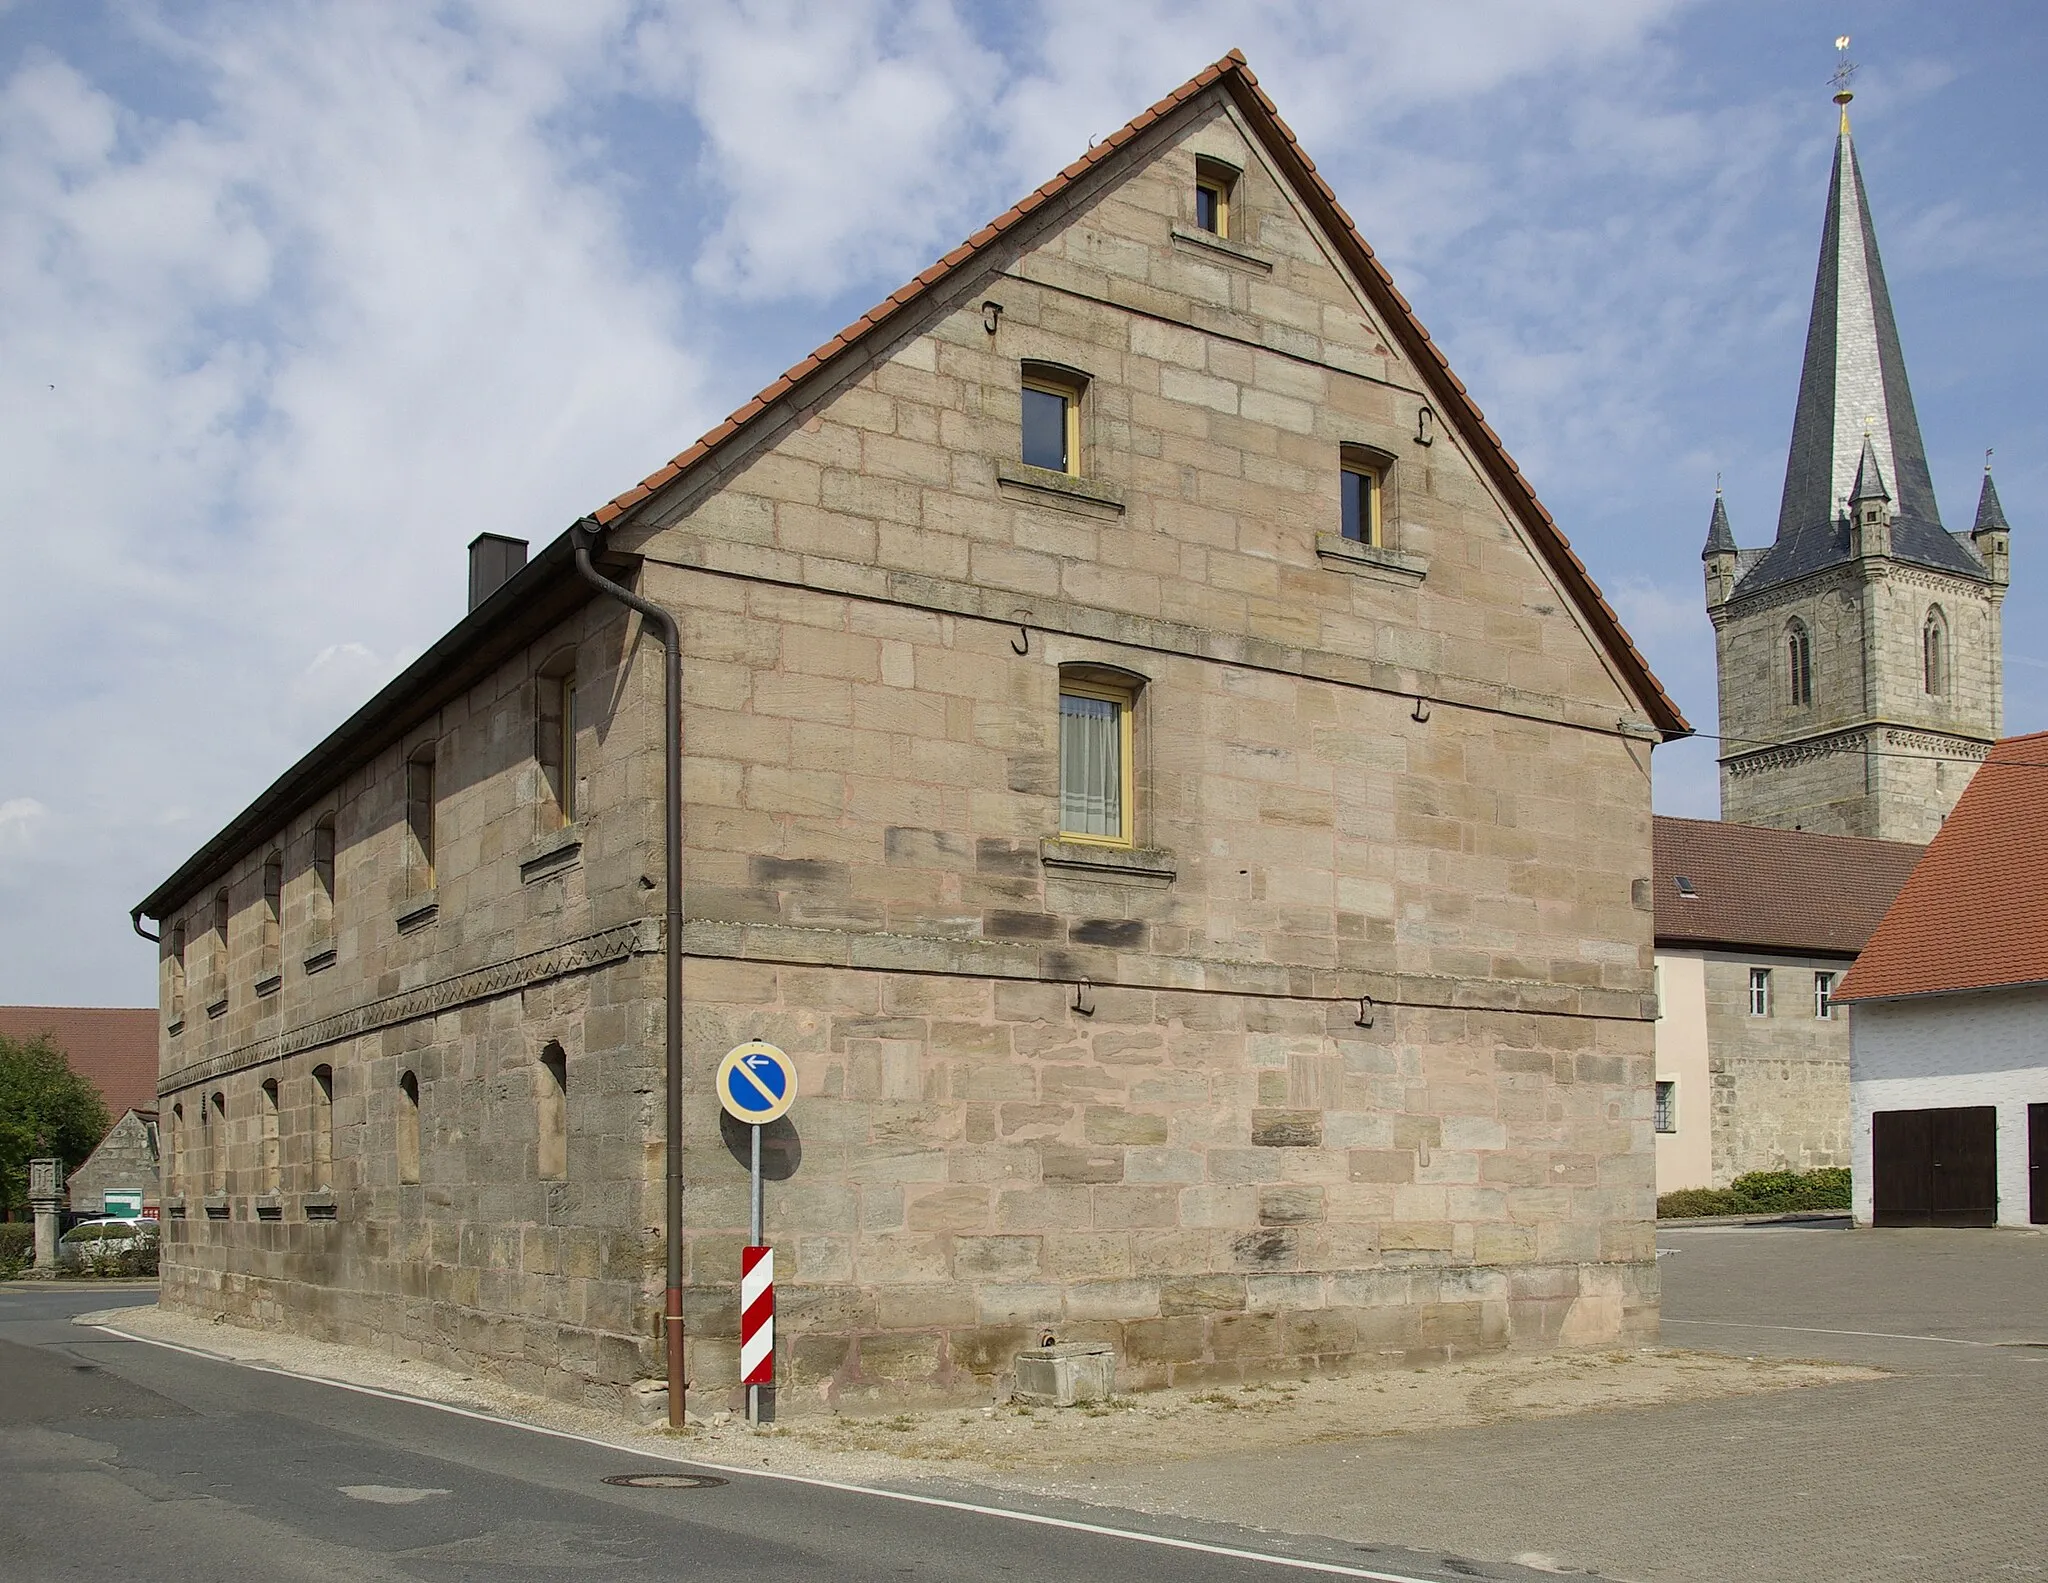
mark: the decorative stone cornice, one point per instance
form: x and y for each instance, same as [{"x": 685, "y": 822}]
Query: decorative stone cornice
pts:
[
  {"x": 1855, "y": 740},
  {"x": 1939, "y": 742},
  {"x": 1758, "y": 760},
  {"x": 487, "y": 983}
]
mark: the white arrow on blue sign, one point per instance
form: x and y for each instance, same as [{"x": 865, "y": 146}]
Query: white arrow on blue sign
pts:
[{"x": 756, "y": 1083}]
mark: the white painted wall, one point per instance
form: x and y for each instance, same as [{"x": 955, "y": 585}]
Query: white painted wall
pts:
[
  {"x": 1685, "y": 1158},
  {"x": 1987, "y": 1047}
]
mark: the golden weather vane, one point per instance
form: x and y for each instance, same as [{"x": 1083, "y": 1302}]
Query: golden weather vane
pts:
[{"x": 1845, "y": 75}]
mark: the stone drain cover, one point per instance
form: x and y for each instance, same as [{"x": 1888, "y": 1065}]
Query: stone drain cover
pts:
[{"x": 665, "y": 1481}]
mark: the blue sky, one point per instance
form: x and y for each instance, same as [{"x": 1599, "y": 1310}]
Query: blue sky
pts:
[{"x": 297, "y": 299}]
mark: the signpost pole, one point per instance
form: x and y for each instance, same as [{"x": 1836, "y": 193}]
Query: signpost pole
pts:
[
  {"x": 754, "y": 1391},
  {"x": 756, "y": 1086}
]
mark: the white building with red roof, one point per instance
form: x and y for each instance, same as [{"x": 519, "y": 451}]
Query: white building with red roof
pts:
[{"x": 1949, "y": 1048}]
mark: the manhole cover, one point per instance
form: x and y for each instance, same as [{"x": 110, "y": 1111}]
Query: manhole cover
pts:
[{"x": 664, "y": 1481}]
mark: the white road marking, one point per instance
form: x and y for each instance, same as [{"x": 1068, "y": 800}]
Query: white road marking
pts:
[
  {"x": 1135, "y": 1536},
  {"x": 1816, "y": 1330},
  {"x": 386, "y": 1494}
]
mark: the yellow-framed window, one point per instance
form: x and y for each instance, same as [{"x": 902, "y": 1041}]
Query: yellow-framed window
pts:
[
  {"x": 1363, "y": 486},
  {"x": 1052, "y": 419},
  {"x": 1214, "y": 184},
  {"x": 1096, "y": 762}
]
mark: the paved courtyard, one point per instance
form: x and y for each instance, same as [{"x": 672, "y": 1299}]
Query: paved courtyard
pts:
[{"x": 1933, "y": 1473}]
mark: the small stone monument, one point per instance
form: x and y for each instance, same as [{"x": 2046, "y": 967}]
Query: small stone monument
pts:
[
  {"x": 1059, "y": 1374},
  {"x": 46, "y": 1199}
]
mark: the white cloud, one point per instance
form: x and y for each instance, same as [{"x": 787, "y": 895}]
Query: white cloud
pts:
[
  {"x": 19, "y": 819},
  {"x": 292, "y": 313}
]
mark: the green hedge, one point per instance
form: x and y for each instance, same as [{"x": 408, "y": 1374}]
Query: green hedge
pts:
[
  {"x": 1761, "y": 1193},
  {"x": 17, "y": 1246}
]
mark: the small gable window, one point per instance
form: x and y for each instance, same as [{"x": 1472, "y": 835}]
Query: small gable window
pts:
[
  {"x": 1934, "y": 654},
  {"x": 1214, "y": 184},
  {"x": 1052, "y": 418},
  {"x": 1362, "y": 479},
  {"x": 1799, "y": 662}
]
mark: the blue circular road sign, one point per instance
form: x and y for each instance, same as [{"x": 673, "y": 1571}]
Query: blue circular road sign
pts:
[{"x": 756, "y": 1083}]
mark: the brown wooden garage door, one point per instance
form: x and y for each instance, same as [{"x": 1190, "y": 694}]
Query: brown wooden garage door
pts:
[{"x": 1935, "y": 1167}]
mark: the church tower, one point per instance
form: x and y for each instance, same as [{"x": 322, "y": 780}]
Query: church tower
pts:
[{"x": 1860, "y": 652}]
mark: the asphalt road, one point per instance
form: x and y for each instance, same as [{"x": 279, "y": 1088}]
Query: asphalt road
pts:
[{"x": 124, "y": 1460}]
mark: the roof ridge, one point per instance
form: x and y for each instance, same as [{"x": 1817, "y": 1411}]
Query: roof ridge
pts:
[
  {"x": 1771, "y": 831},
  {"x": 1235, "y": 75}
]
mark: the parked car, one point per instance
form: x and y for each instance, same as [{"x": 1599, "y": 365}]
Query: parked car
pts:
[{"x": 103, "y": 1237}]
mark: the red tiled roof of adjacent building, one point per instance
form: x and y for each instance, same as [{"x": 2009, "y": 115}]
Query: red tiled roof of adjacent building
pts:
[
  {"x": 1234, "y": 76},
  {"x": 113, "y": 1047},
  {"x": 1974, "y": 915},
  {"x": 1776, "y": 890}
]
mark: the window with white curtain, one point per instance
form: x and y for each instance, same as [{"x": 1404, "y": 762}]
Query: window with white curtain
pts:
[{"x": 1095, "y": 760}]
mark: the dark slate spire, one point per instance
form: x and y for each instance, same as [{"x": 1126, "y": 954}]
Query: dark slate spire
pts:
[
  {"x": 1869, "y": 483},
  {"x": 1990, "y": 515},
  {"x": 1852, "y": 395},
  {"x": 1720, "y": 539}
]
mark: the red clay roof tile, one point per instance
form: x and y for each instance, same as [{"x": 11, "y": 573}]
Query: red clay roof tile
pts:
[
  {"x": 1235, "y": 77},
  {"x": 1974, "y": 914},
  {"x": 1774, "y": 890},
  {"x": 112, "y": 1047}
]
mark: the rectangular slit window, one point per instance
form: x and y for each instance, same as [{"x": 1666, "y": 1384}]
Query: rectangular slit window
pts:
[
  {"x": 1667, "y": 1107},
  {"x": 1095, "y": 763},
  {"x": 1824, "y": 995},
  {"x": 419, "y": 823},
  {"x": 1759, "y": 992}
]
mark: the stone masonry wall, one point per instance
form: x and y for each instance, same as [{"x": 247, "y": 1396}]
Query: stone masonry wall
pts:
[
  {"x": 1223, "y": 1186},
  {"x": 125, "y": 1159},
  {"x": 1347, "y": 1057},
  {"x": 1780, "y": 1083},
  {"x": 876, "y": 615},
  {"x": 531, "y": 934},
  {"x": 1891, "y": 758}
]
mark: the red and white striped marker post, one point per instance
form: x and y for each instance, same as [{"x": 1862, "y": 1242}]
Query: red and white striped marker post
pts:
[
  {"x": 757, "y": 1316},
  {"x": 757, "y": 1085}
]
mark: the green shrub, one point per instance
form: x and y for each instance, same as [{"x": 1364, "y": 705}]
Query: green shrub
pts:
[
  {"x": 17, "y": 1247},
  {"x": 1690, "y": 1201},
  {"x": 1761, "y": 1193},
  {"x": 111, "y": 1260},
  {"x": 1782, "y": 1190}
]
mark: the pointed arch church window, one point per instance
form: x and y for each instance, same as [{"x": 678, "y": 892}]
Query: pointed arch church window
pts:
[
  {"x": 1799, "y": 661},
  {"x": 1934, "y": 654}
]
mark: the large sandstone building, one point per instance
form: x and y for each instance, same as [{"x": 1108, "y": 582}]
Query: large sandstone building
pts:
[{"x": 1150, "y": 760}]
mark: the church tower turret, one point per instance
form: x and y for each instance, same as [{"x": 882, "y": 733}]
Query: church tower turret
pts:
[
  {"x": 1721, "y": 557},
  {"x": 1870, "y": 505},
  {"x": 1859, "y": 654}
]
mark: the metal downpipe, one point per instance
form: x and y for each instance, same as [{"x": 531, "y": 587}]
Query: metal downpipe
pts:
[{"x": 585, "y": 533}]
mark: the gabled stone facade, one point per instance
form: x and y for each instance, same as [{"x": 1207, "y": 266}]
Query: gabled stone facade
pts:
[{"x": 1344, "y": 1057}]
